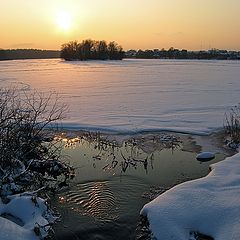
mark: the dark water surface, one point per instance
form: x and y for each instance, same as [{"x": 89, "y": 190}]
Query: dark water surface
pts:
[{"x": 105, "y": 198}]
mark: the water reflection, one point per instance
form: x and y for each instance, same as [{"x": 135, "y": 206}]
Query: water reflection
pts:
[
  {"x": 115, "y": 177},
  {"x": 129, "y": 154},
  {"x": 93, "y": 199}
]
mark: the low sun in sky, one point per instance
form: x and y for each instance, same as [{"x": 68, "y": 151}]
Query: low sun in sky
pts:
[
  {"x": 64, "y": 21},
  {"x": 184, "y": 24}
]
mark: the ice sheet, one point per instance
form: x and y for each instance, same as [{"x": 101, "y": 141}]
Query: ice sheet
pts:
[{"x": 134, "y": 95}]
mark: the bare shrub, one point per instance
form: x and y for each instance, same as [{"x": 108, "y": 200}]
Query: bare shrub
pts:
[
  {"x": 232, "y": 124},
  {"x": 29, "y": 159}
]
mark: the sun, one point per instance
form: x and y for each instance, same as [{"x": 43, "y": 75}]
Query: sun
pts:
[{"x": 64, "y": 20}]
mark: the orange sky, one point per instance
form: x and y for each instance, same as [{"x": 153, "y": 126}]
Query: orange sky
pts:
[{"x": 190, "y": 24}]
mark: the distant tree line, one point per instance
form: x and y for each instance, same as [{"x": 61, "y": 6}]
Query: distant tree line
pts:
[
  {"x": 10, "y": 54},
  {"x": 173, "y": 53},
  {"x": 91, "y": 49}
]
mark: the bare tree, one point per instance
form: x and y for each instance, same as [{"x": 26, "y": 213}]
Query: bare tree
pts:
[{"x": 70, "y": 50}]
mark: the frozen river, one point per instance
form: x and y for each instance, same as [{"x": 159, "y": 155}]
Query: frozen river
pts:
[{"x": 134, "y": 95}]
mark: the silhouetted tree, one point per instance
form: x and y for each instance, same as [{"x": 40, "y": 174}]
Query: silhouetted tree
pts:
[
  {"x": 86, "y": 49},
  {"x": 70, "y": 51},
  {"x": 115, "y": 51},
  {"x": 173, "y": 53},
  {"x": 102, "y": 50},
  {"x": 90, "y": 49}
]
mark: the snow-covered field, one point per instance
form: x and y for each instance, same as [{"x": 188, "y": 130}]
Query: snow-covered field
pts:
[{"x": 134, "y": 95}]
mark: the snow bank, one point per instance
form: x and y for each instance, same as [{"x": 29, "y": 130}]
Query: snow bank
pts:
[
  {"x": 25, "y": 218},
  {"x": 210, "y": 205}
]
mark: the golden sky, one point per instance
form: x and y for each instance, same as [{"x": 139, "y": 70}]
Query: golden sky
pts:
[{"x": 189, "y": 24}]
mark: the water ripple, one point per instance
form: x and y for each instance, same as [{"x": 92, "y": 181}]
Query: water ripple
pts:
[{"x": 94, "y": 199}]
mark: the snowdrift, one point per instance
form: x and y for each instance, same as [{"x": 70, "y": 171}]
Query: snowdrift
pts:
[{"x": 210, "y": 205}]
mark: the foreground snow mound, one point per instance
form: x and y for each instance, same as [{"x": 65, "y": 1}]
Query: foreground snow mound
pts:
[
  {"x": 210, "y": 205},
  {"x": 25, "y": 218}
]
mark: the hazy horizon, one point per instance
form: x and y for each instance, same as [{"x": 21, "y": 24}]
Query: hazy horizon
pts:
[
  {"x": 186, "y": 24},
  {"x": 143, "y": 49}
]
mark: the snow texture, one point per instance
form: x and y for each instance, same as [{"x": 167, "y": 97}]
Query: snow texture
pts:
[
  {"x": 134, "y": 95},
  {"x": 209, "y": 205},
  {"x": 24, "y": 218}
]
